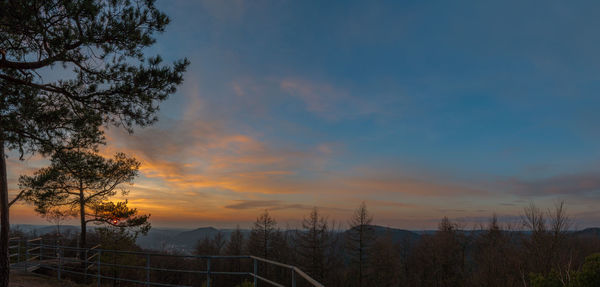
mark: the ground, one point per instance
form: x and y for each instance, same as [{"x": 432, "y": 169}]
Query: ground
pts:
[{"x": 25, "y": 279}]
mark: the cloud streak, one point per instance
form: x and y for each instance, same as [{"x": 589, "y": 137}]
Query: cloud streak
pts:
[
  {"x": 266, "y": 204},
  {"x": 328, "y": 101},
  {"x": 585, "y": 183}
]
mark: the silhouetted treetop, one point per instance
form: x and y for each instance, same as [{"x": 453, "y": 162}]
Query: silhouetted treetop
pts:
[
  {"x": 84, "y": 181},
  {"x": 69, "y": 67},
  {"x": 262, "y": 236},
  {"x": 97, "y": 48}
]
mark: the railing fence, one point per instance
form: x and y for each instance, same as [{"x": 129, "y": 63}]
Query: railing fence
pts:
[{"x": 93, "y": 264}]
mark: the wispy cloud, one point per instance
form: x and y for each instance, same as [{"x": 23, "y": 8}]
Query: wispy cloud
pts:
[
  {"x": 583, "y": 183},
  {"x": 326, "y": 100},
  {"x": 266, "y": 204},
  {"x": 198, "y": 166}
]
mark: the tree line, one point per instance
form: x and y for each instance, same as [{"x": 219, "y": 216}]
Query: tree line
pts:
[{"x": 540, "y": 250}]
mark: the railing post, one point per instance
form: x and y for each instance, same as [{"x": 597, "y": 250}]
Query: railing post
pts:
[
  {"x": 26, "y": 250},
  {"x": 147, "y": 269},
  {"x": 40, "y": 258},
  {"x": 255, "y": 271},
  {"x": 293, "y": 277},
  {"x": 98, "y": 266},
  {"x": 208, "y": 272},
  {"x": 59, "y": 261},
  {"x": 85, "y": 266}
]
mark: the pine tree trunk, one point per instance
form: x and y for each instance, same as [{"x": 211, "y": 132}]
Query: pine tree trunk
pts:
[
  {"x": 82, "y": 235},
  {"x": 4, "y": 219}
]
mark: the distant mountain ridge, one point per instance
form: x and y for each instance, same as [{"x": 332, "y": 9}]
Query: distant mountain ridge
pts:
[
  {"x": 181, "y": 240},
  {"x": 593, "y": 231},
  {"x": 397, "y": 235},
  {"x": 185, "y": 240}
]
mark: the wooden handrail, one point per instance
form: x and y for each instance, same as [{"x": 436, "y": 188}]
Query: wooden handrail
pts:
[
  {"x": 33, "y": 258},
  {"x": 307, "y": 278},
  {"x": 267, "y": 280},
  {"x": 272, "y": 262},
  {"x": 90, "y": 258},
  {"x": 96, "y": 256},
  {"x": 296, "y": 269},
  {"x": 34, "y": 248}
]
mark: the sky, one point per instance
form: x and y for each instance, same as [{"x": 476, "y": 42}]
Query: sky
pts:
[{"x": 421, "y": 109}]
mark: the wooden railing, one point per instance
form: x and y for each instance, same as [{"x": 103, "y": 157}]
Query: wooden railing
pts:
[{"x": 91, "y": 265}]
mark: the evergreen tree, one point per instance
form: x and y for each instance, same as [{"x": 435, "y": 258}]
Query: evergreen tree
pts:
[
  {"x": 589, "y": 275},
  {"x": 99, "y": 47},
  {"x": 449, "y": 254},
  {"x": 281, "y": 251},
  {"x": 386, "y": 262},
  {"x": 235, "y": 245},
  {"x": 83, "y": 182},
  {"x": 313, "y": 241},
  {"x": 494, "y": 257},
  {"x": 211, "y": 245},
  {"x": 205, "y": 246},
  {"x": 359, "y": 239},
  {"x": 219, "y": 243},
  {"x": 438, "y": 259},
  {"x": 262, "y": 236}
]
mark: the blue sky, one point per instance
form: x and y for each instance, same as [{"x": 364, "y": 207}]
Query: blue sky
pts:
[
  {"x": 434, "y": 83},
  {"x": 421, "y": 109}
]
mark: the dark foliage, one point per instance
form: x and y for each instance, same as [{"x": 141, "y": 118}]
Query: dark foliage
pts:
[
  {"x": 494, "y": 255},
  {"x": 81, "y": 183},
  {"x": 359, "y": 239},
  {"x": 98, "y": 47}
]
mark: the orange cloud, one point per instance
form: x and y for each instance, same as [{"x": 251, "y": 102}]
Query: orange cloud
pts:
[{"x": 200, "y": 168}]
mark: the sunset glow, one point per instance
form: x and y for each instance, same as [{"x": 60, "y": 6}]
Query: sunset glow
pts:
[{"x": 421, "y": 112}]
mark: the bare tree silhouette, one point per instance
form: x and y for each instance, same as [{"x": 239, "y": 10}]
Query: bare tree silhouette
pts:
[{"x": 359, "y": 239}]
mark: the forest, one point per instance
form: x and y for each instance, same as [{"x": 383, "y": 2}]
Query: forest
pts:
[{"x": 541, "y": 249}]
